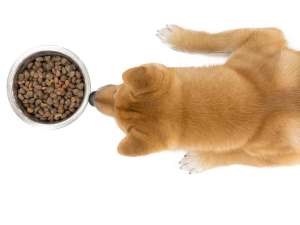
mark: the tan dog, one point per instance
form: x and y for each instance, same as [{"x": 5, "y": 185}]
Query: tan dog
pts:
[{"x": 246, "y": 111}]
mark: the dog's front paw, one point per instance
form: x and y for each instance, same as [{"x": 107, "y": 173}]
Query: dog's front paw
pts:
[
  {"x": 170, "y": 35},
  {"x": 192, "y": 164}
]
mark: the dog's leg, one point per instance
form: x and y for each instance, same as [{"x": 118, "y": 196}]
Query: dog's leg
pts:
[
  {"x": 223, "y": 42},
  {"x": 283, "y": 159},
  {"x": 137, "y": 144},
  {"x": 194, "y": 162},
  {"x": 133, "y": 146}
]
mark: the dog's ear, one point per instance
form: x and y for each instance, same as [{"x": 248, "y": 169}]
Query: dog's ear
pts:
[{"x": 143, "y": 79}]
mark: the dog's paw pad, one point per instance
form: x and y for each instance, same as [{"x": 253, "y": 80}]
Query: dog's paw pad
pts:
[
  {"x": 168, "y": 34},
  {"x": 191, "y": 164}
]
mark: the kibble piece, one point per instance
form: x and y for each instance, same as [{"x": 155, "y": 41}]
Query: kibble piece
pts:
[
  {"x": 21, "y": 76},
  {"x": 56, "y": 58},
  {"x": 78, "y": 74},
  {"x": 57, "y": 116},
  {"x": 75, "y": 91},
  {"x": 64, "y": 61},
  {"x": 49, "y": 76},
  {"x": 68, "y": 68},
  {"x": 31, "y": 100},
  {"x": 38, "y": 102},
  {"x": 71, "y": 74},
  {"x": 37, "y": 64},
  {"x": 39, "y": 59},
  {"x": 21, "y": 97},
  {"x": 22, "y": 91},
  {"x": 29, "y": 94},
  {"x": 29, "y": 110},
  {"x": 57, "y": 73},
  {"x": 29, "y": 66},
  {"x": 80, "y": 94},
  {"x": 47, "y": 58},
  {"x": 80, "y": 86},
  {"x": 26, "y": 74},
  {"x": 49, "y": 101}
]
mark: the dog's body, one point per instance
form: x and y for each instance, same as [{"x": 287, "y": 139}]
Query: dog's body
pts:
[{"x": 246, "y": 111}]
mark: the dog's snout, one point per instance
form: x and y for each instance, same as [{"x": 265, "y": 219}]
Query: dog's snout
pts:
[{"x": 92, "y": 98}]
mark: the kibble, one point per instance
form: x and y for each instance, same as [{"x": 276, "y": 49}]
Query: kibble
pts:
[{"x": 50, "y": 88}]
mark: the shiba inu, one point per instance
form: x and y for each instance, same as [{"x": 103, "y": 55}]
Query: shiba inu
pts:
[{"x": 246, "y": 111}]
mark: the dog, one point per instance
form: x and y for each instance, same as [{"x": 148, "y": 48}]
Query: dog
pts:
[{"x": 246, "y": 111}]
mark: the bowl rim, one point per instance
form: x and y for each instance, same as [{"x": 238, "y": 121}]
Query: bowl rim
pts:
[{"x": 19, "y": 62}]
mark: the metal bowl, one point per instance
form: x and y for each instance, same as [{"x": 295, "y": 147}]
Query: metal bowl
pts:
[{"x": 21, "y": 62}]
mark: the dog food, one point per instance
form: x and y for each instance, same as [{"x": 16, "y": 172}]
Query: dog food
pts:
[{"x": 49, "y": 88}]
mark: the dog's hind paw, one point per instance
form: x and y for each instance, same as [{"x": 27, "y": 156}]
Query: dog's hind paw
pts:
[
  {"x": 169, "y": 34},
  {"x": 192, "y": 163}
]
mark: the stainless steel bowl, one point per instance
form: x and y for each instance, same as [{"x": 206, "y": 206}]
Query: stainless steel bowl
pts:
[{"x": 19, "y": 65}]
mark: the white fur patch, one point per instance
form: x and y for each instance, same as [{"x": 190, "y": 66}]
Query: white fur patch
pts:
[
  {"x": 165, "y": 34},
  {"x": 191, "y": 163}
]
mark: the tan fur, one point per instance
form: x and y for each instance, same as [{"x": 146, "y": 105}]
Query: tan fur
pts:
[{"x": 246, "y": 111}]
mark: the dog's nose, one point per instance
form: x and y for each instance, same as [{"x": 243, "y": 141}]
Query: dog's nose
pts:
[{"x": 92, "y": 98}]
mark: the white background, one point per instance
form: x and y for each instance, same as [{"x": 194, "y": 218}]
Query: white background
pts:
[{"x": 75, "y": 176}]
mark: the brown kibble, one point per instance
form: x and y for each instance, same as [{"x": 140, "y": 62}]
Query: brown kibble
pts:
[
  {"x": 68, "y": 68},
  {"x": 49, "y": 101},
  {"x": 21, "y": 76},
  {"x": 73, "y": 80},
  {"x": 63, "y": 78},
  {"x": 26, "y": 75},
  {"x": 35, "y": 75},
  {"x": 21, "y": 97},
  {"x": 39, "y": 59},
  {"x": 49, "y": 90},
  {"x": 64, "y": 61},
  {"x": 49, "y": 82},
  {"x": 57, "y": 73},
  {"x": 80, "y": 94},
  {"x": 57, "y": 116},
  {"x": 29, "y": 94},
  {"x": 29, "y": 66},
  {"x": 22, "y": 91},
  {"x": 71, "y": 74},
  {"x": 30, "y": 110},
  {"x": 47, "y": 67},
  {"x": 38, "y": 102},
  {"x": 43, "y": 105},
  {"x": 60, "y": 109},
  {"x": 31, "y": 100},
  {"x": 47, "y": 58},
  {"x": 53, "y": 95},
  {"x": 37, "y": 64},
  {"x": 78, "y": 75},
  {"x": 53, "y": 111},
  {"x": 80, "y": 86},
  {"x": 49, "y": 76},
  {"x": 64, "y": 71},
  {"x": 56, "y": 58},
  {"x": 75, "y": 91}
]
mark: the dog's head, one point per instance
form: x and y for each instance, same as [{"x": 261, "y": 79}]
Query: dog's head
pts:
[{"x": 141, "y": 103}]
